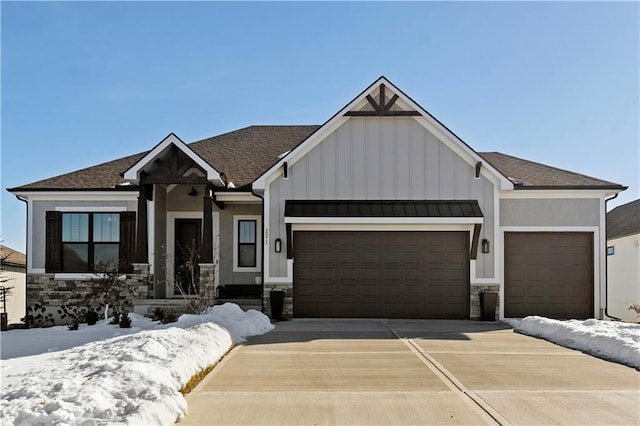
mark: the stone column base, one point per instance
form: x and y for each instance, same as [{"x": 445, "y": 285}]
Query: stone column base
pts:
[
  {"x": 475, "y": 298},
  {"x": 287, "y": 308}
]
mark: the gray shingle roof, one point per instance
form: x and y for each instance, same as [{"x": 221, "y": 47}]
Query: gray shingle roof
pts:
[
  {"x": 529, "y": 174},
  {"x": 624, "y": 220},
  {"x": 11, "y": 257},
  {"x": 244, "y": 154}
]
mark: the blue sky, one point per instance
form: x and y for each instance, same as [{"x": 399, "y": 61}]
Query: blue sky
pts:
[{"x": 84, "y": 83}]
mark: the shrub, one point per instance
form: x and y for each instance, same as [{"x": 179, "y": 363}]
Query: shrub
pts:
[
  {"x": 74, "y": 325},
  {"x": 37, "y": 316},
  {"x": 125, "y": 321},
  {"x": 635, "y": 308},
  {"x": 158, "y": 314},
  {"x": 169, "y": 317},
  {"x": 91, "y": 317},
  {"x": 107, "y": 289},
  {"x": 73, "y": 311}
]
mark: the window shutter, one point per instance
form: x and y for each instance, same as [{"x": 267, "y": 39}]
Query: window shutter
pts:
[
  {"x": 127, "y": 240},
  {"x": 53, "y": 241}
]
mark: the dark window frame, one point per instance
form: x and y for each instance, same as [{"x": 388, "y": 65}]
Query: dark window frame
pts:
[
  {"x": 90, "y": 243},
  {"x": 611, "y": 250},
  {"x": 254, "y": 244}
]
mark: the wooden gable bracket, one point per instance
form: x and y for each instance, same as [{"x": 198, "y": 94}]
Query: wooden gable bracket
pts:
[
  {"x": 289, "y": 241},
  {"x": 381, "y": 108},
  {"x": 473, "y": 255}
]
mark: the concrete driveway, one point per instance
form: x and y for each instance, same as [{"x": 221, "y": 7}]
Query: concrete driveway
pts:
[{"x": 419, "y": 372}]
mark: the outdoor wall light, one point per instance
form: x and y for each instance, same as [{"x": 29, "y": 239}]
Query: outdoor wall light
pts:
[
  {"x": 193, "y": 192},
  {"x": 485, "y": 245},
  {"x": 278, "y": 245}
]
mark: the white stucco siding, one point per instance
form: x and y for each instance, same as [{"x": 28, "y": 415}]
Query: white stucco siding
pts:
[
  {"x": 550, "y": 212},
  {"x": 39, "y": 209},
  {"x": 623, "y": 273},
  {"x": 379, "y": 158}
]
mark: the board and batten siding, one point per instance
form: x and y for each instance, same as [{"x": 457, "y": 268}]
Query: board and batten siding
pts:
[
  {"x": 380, "y": 158},
  {"x": 39, "y": 211}
]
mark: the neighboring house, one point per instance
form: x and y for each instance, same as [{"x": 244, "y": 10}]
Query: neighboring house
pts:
[
  {"x": 382, "y": 211},
  {"x": 13, "y": 272},
  {"x": 623, "y": 257}
]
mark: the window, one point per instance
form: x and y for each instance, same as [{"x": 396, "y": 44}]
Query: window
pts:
[
  {"x": 85, "y": 241},
  {"x": 247, "y": 243},
  {"x": 90, "y": 242},
  {"x": 611, "y": 250}
]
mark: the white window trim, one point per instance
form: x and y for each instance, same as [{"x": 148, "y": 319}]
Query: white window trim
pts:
[
  {"x": 83, "y": 275},
  {"x": 92, "y": 209},
  {"x": 258, "y": 220}
]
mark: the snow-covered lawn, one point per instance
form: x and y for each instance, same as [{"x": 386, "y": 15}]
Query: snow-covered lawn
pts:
[
  {"x": 133, "y": 378},
  {"x": 614, "y": 341}
]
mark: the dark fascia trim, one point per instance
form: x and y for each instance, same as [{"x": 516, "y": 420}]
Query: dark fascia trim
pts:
[
  {"x": 245, "y": 188},
  {"x": 616, "y": 187},
  {"x": 14, "y": 265}
]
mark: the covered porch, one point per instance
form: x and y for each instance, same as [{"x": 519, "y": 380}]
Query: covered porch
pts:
[{"x": 196, "y": 236}]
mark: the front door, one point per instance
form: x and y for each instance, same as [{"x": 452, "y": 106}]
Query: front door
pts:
[{"x": 187, "y": 272}]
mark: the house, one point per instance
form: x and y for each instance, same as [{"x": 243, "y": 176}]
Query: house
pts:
[
  {"x": 13, "y": 268},
  {"x": 382, "y": 211},
  {"x": 623, "y": 260}
]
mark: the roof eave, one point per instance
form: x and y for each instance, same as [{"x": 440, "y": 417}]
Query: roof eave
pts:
[
  {"x": 126, "y": 188},
  {"x": 572, "y": 187}
]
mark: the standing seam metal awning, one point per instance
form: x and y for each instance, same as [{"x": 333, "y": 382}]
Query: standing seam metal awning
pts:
[
  {"x": 434, "y": 211},
  {"x": 382, "y": 208}
]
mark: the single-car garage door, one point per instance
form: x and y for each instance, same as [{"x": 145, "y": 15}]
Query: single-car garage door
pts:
[
  {"x": 381, "y": 274},
  {"x": 548, "y": 274}
]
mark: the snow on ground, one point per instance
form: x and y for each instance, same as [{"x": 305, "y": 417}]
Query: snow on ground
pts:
[
  {"x": 614, "y": 341},
  {"x": 133, "y": 378}
]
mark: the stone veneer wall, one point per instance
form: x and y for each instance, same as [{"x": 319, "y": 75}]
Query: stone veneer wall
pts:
[
  {"x": 287, "y": 309},
  {"x": 207, "y": 280},
  {"x": 475, "y": 298},
  {"x": 51, "y": 292}
]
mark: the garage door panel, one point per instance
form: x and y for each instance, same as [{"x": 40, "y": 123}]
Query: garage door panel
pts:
[
  {"x": 390, "y": 274},
  {"x": 549, "y": 274}
]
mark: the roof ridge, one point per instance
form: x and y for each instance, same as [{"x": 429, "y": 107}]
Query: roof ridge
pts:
[{"x": 249, "y": 127}]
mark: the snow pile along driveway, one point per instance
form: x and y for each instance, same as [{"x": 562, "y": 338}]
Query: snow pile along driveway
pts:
[
  {"x": 131, "y": 379},
  {"x": 614, "y": 341}
]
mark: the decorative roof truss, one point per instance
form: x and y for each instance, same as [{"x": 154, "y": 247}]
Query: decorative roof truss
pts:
[{"x": 382, "y": 107}]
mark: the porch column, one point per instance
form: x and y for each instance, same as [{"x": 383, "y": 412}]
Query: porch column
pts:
[
  {"x": 142, "y": 245},
  {"x": 207, "y": 230}
]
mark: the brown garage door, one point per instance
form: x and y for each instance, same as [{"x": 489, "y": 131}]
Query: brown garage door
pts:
[
  {"x": 548, "y": 274},
  {"x": 381, "y": 274}
]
